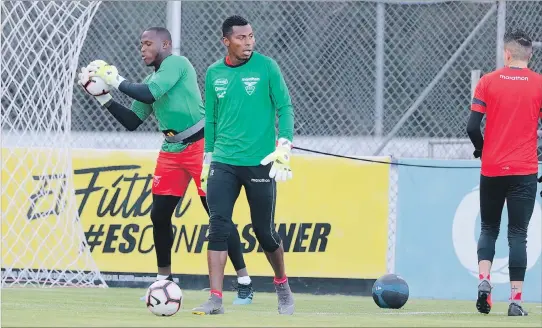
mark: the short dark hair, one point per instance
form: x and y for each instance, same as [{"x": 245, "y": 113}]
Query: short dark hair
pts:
[
  {"x": 518, "y": 36},
  {"x": 161, "y": 31},
  {"x": 519, "y": 44},
  {"x": 230, "y": 22}
]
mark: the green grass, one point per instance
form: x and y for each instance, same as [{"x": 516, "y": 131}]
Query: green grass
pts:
[{"x": 121, "y": 307}]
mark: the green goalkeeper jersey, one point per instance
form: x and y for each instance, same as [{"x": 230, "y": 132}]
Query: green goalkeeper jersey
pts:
[
  {"x": 241, "y": 107},
  {"x": 178, "y": 104}
]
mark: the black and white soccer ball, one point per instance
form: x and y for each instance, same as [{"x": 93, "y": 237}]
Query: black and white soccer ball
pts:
[
  {"x": 164, "y": 298},
  {"x": 95, "y": 86}
]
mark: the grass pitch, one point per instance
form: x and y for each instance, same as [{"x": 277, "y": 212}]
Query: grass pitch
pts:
[{"x": 121, "y": 307}]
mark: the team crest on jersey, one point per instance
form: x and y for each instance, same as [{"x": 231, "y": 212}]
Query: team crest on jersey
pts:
[
  {"x": 250, "y": 84},
  {"x": 220, "y": 87},
  {"x": 156, "y": 180}
]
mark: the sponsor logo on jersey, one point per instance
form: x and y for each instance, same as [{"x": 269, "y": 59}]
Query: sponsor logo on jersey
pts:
[
  {"x": 514, "y": 78},
  {"x": 250, "y": 84},
  {"x": 221, "y": 81},
  {"x": 220, "y": 87},
  {"x": 260, "y": 180}
]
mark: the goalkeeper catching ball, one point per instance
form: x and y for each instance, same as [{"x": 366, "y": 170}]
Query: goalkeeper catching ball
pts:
[
  {"x": 171, "y": 92},
  {"x": 244, "y": 93}
]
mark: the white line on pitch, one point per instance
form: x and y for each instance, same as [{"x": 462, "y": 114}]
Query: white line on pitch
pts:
[{"x": 430, "y": 313}]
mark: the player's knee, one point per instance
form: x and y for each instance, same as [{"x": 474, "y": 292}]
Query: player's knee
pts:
[
  {"x": 518, "y": 237},
  {"x": 518, "y": 232},
  {"x": 268, "y": 239},
  {"x": 159, "y": 221},
  {"x": 163, "y": 236},
  {"x": 486, "y": 247},
  {"x": 162, "y": 228},
  {"x": 219, "y": 232},
  {"x": 160, "y": 216},
  {"x": 491, "y": 230}
]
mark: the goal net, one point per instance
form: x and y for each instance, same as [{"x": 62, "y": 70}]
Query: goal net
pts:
[{"x": 43, "y": 243}]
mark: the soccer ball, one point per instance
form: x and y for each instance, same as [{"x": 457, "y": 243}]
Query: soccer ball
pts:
[
  {"x": 390, "y": 291},
  {"x": 164, "y": 298},
  {"x": 96, "y": 86}
]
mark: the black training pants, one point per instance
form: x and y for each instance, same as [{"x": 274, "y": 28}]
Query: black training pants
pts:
[
  {"x": 223, "y": 188},
  {"x": 161, "y": 214},
  {"x": 520, "y": 194}
]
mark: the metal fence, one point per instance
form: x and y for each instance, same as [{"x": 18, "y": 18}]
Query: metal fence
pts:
[{"x": 366, "y": 77}]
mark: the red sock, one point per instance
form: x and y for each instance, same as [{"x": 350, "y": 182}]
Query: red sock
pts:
[
  {"x": 216, "y": 293},
  {"x": 482, "y": 277},
  {"x": 278, "y": 281},
  {"x": 516, "y": 296}
]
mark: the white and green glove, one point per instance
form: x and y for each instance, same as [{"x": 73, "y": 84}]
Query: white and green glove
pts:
[
  {"x": 109, "y": 74},
  {"x": 280, "y": 170},
  {"x": 207, "y": 158},
  {"x": 84, "y": 76}
]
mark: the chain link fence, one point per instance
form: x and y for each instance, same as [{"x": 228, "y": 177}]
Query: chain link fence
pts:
[
  {"x": 354, "y": 68},
  {"x": 366, "y": 77}
]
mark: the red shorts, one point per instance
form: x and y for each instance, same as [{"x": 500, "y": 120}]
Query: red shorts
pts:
[{"x": 174, "y": 170}]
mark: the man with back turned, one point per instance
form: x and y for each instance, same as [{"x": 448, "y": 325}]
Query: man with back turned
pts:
[{"x": 511, "y": 99}]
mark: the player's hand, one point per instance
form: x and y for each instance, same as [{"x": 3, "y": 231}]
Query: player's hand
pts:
[
  {"x": 280, "y": 170},
  {"x": 84, "y": 77},
  {"x": 96, "y": 64},
  {"x": 477, "y": 153},
  {"x": 109, "y": 74},
  {"x": 207, "y": 158}
]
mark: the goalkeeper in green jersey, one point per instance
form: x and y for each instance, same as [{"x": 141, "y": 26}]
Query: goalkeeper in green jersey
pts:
[
  {"x": 171, "y": 92},
  {"x": 244, "y": 93}
]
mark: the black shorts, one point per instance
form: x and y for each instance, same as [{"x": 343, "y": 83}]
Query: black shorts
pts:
[
  {"x": 223, "y": 188},
  {"x": 519, "y": 192}
]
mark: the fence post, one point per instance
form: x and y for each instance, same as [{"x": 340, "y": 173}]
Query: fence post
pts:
[
  {"x": 174, "y": 25},
  {"x": 501, "y": 29},
  {"x": 379, "y": 66}
]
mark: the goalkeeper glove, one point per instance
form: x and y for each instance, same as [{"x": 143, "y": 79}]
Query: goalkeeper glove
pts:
[
  {"x": 109, "y": 74},
  {"x": 207, "y": 158},
  {"x": 96, "y": 64},
  {"x": 83, "y": 80},
  {"x": 280, "y": 170}
]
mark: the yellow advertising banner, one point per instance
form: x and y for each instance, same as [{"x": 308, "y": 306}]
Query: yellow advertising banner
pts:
[{"x": 332, "y": 217}]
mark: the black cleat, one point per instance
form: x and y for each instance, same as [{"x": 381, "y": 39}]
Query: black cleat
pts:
[
  {"x": 483, "y": 303},
  {"x": 515, "y": 310}
]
